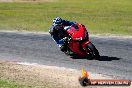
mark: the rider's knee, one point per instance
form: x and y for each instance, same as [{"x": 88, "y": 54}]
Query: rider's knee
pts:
[{"x": 63, "y": 48}]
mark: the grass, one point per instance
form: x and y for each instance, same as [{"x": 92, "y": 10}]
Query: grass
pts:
[
  {"x": 99, "y": 16},
  {"x": 15, "y": 84},
  {"x": 9, "y": 84}
]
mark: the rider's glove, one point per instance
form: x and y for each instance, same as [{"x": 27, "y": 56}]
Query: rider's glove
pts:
[{"x": 65, "y": 39}]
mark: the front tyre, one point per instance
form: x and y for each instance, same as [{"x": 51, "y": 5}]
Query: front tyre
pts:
[{"x": 93, "y": 52}]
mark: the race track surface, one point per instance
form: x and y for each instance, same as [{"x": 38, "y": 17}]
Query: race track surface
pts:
[{"x": 116, "y": 53}]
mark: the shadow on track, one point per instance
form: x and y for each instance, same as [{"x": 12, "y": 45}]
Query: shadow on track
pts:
[
  {"x": 102, "y": 58},
  {"x": 107, "y": 58}
]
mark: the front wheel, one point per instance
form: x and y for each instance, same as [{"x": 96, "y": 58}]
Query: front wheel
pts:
[{"x": 93, "y": 52}]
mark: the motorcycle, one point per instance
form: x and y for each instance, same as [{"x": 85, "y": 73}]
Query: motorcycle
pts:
[{"x": 78, "y": 42}]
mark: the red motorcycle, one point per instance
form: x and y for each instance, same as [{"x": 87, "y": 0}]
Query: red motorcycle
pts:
[{"x": 78, "y": 42}]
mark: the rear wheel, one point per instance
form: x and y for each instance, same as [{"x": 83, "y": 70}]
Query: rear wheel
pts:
[{"x": 93, "y": 52}]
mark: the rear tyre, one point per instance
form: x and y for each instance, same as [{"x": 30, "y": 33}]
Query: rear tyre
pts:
[{"x": 93, "y": 54}]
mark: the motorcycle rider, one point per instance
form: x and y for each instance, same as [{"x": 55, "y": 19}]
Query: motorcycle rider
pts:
[{"x": 58, "y": 33}]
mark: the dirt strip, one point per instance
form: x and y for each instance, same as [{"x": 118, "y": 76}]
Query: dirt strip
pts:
[{"x": 41, "y": 76}]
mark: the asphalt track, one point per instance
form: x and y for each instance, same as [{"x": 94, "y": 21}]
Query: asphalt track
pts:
[{"x": 116, "y": 53}]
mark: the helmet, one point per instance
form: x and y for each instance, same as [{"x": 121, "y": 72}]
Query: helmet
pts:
[{"x": 57, "y": 21}]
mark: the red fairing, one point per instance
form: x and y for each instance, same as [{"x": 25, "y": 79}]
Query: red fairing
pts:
[
  {"x": 85, "y": 43},
  {"x": 77, "y": 33},
  {"x": 74, "y": 46},
  {"x": 78, "y": 41}
]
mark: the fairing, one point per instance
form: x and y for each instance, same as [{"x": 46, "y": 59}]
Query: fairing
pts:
[{"x": 78, "y": 41}]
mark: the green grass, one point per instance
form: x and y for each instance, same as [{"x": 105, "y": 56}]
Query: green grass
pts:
[
  {"x": 99, "y": 16},
  {"x": 45, "y": 84},
  {"x": 8, "y": 84}
]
